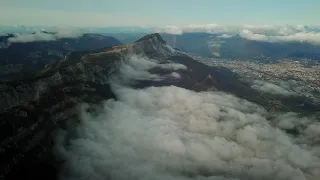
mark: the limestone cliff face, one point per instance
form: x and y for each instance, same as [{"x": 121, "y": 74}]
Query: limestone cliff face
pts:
[{"x": 33, "y": 107}]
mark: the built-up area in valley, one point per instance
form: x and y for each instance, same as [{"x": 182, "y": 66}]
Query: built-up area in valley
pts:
[{"x": 301, "y": 74}]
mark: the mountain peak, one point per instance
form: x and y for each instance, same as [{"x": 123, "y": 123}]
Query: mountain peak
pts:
[
  {"x": 153, "y": 45},
  {"x": 154, "y": 36}
]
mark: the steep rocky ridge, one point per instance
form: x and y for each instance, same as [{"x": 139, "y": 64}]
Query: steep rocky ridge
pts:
[
  {"x": 33, "y": 106},
  {"x": 35, "y": 55}
]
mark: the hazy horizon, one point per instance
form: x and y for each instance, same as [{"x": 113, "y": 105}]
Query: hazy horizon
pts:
[{"x": 97, "y": 13}]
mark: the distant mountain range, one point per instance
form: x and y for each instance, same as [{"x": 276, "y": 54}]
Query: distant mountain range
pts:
[
  {"x": 28, "y": 56},
  {"x": 236, "y": 47}
]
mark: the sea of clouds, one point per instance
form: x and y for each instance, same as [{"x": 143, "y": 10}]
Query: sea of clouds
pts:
[{"x": 174, "y": 133}]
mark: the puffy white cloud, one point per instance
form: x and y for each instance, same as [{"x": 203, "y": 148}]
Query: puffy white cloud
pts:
[
  {"x": 175, "y": 133},
  {"x": 287, "y": 33},
  {"x": 286, "y": 88},
  {"x": 175, "y": 75},
  {"x": 272, "y": 88},
  {"x": 66, "y": 32},
  {"x": 251, "y": 36},
  {"x": 57, "y": 33}
]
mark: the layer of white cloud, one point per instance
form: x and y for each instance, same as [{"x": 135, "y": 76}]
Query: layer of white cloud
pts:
[
  {"x": 207, "y": 28},
  {"x": 175, "y": 133},
  {"x": 268, "y": 33},
  {"x": 57, "y": 33},
  {"x": 311, "y": 37},
  {"x": 272, "y": 30}
]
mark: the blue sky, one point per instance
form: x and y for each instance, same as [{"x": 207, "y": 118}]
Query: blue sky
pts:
[{"x": 87, "y": 13}]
